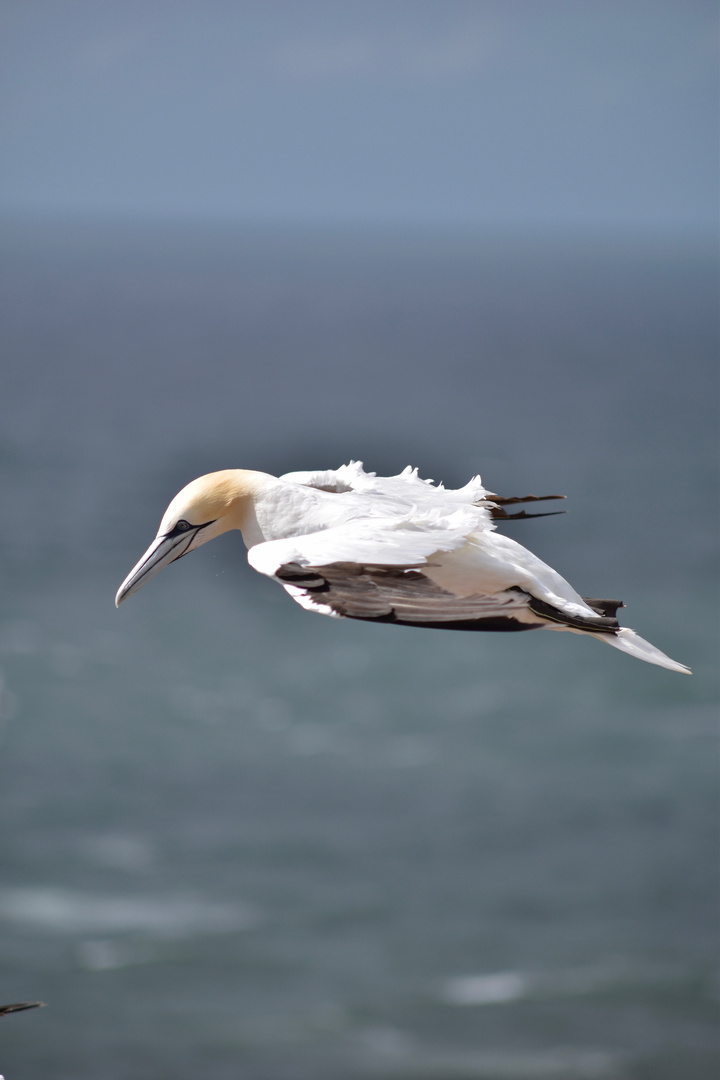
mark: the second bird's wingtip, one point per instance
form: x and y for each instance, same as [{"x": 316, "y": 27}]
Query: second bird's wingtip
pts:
[{"x": 21, "y": 1006}]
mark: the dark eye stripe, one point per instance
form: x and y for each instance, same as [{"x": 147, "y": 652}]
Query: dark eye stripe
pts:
[
  {"x": 184, "y": 526},
  {"x": 181, "y": 527}
]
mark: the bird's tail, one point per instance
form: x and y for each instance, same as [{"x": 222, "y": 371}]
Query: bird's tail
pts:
[{"x": 632, "y": 643}]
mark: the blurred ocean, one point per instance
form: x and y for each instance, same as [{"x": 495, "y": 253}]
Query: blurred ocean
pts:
[{"x": 243, "y": 842}]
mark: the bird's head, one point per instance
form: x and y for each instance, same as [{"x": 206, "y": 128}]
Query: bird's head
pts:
[{"x": 205, "y": 508}]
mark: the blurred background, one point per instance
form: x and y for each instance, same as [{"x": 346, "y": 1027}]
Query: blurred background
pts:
[{"x": 241, "y": 841}]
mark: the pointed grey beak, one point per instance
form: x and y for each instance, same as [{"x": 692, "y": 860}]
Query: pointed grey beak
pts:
[{"x": 163, "y": 550}]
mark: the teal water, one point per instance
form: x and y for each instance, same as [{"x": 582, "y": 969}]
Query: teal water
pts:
[{"x": 244, "y": 841}]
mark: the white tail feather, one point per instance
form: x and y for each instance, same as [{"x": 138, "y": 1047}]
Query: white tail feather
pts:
[{"x": 632, "y": 643}]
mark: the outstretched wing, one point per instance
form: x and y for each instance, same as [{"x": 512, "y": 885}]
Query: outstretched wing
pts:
[
  {"x": 438, "y": 569},
  {"x": 435, "y": 562},
  {"x": 431, "y": 569},
  {"x": 401, "y": 595}
]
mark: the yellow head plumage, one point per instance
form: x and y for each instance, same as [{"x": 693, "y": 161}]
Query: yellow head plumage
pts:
[{"x": 205, "y": 508}]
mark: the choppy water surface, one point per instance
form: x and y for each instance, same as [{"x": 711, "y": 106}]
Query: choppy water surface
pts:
[{"x": 243, "y": 841}]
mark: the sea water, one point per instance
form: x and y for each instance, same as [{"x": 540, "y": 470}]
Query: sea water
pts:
[{"x": 243, "y": 841}]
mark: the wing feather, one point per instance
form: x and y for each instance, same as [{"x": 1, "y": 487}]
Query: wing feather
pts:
[
  {"x": 397, "y": 594},
  {"x": 406, "y": 487},
  {"x": 406, "y": 523},
  {"x": 407, "y": 540}
]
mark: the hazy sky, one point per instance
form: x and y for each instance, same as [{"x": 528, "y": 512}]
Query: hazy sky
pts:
[{"x": 546, "y": 111}]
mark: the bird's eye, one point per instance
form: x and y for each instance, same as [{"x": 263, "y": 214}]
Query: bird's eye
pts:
[{"x": 182, "y": 526}]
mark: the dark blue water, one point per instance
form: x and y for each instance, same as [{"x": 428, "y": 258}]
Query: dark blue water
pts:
[{"x": 243, "y": 841}]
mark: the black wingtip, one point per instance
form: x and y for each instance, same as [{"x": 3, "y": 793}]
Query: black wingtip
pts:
[
  {"x": 502, "y": 515},
  {"x": 502, "y": 500},
  {"x": 497, "y": 503},
  {"x": 607, "y": 608},
  {"x": 20, "y": 1006}
]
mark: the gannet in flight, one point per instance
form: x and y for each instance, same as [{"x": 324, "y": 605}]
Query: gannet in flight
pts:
[{"x": 393, "y": 549}]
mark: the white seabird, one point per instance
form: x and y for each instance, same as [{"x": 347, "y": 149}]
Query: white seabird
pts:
[{"x": 393, "y": 549}]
